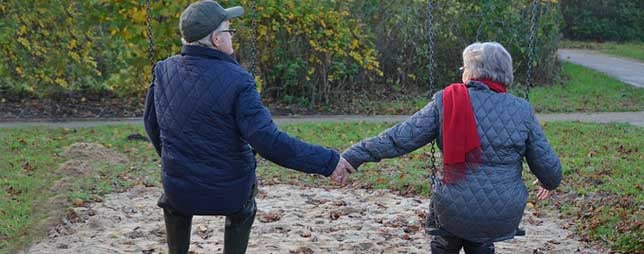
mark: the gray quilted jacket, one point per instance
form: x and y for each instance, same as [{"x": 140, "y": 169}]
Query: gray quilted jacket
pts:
[{"x": 488, "y": 204}]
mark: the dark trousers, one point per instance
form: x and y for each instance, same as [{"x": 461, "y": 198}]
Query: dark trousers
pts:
[
  {"x": 453, "y": 244},
  {"x": 236, "y": 234}
]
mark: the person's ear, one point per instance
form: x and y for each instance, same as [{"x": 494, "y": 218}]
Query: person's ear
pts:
[{"x": 214, "y": 40}]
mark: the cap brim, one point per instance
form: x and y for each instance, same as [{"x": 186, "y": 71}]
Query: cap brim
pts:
[{"x": 234, "y": 12}]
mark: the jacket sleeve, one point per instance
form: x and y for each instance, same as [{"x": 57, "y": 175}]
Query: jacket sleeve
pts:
[
  {"x": 542, "y": 160},
  {"x": 415, "y": 132},
  {"x": 150, "y": 121},
  {"x": 258, "y": 129}
]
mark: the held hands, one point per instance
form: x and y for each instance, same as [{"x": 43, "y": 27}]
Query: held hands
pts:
[
  {"x": 342, "y": 170},
  {"x": 542, "y": 194}
]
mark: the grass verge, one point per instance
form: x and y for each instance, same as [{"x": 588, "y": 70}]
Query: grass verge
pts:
[
  {"x": 581, "y": 90},
  {"x": 585, "y": 90},
  {"x": 632, "y": 50},
  {"x": 35, "y": 194},
  {"x": 600, "y": 196}
]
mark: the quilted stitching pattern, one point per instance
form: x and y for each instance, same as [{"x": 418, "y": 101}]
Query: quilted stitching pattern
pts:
[
  {"x": 205, "y": 114},
  {"x": 489, "y": 204}
]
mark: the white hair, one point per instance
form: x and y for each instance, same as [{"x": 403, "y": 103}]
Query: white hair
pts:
[
  {"x": 205, "y": 41},
  {"x": 488, "y": 60}
]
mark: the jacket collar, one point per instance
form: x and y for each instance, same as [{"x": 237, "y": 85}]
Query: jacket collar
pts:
[
  {"x": 477, "y": 85},
  {"x": 200, "y": 51}
]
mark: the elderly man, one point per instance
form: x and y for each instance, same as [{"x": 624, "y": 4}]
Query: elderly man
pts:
[
  {"x": 202, "y": 115},
  {"x": 484, "y": 133}
]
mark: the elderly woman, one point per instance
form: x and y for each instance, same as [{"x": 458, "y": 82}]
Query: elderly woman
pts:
[{"x": 483, "y": 133}]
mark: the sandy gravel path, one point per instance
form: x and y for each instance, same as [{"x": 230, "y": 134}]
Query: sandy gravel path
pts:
[{"x": 291, "y": 219}]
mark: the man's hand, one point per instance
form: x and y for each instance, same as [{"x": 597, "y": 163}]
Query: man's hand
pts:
[
  {"x": 542, "y": 194},
  {"x": 342, "y": 171}
]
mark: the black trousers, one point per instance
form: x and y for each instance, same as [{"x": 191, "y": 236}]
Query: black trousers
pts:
[
  {"x": 236, "y": 234},
  {"x": 453, "y": 244}
]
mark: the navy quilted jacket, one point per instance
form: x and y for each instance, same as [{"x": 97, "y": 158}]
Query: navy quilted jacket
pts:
[
  {"x": 203, "y": 114},
  {"x": 488, "y": 204}
]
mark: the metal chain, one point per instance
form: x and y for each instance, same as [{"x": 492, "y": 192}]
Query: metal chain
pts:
[
  {"x": 253, "y": 46},
  {"x": 531, "y": 48},
  {"x": 148, "y": 16},
  {"x": 430, "y": 27},
  {"x": 481, "y": 19},
  {"x": 432, "y": 63},
  {"x": 478, "y": 31},
  {"x": 432, "y": 161}
]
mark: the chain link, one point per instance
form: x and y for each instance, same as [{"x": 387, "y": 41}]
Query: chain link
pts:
[
  {"x": 531, "y": 48},
  {"x": 430, "y": 28},
  {"x": 432, "y": 161},
  {"x": 432, "y": 85},
  {"x": 253, "y": 46},
  {"x": 148, "y": 17},
  {"x": 481, "y": 20}
]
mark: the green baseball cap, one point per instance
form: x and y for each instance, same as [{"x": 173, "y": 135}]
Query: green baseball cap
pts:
[{"x": 203, "y": 17}]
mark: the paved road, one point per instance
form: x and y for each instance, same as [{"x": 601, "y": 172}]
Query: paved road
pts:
[
  {"x": 634, "y": 118},
  {"x": 628, "y": 71}
]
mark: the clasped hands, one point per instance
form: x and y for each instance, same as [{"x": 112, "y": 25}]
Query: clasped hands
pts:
[{"x": 342, "y": 171}]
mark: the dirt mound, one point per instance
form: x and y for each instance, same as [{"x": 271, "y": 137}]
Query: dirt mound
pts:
[
  {"x": 290, "y": 219},
  {"x": 83, "y": 159},
  {"x": 94, "y": 152},
  {"x": 75, "y": 168},
  {"x": 70, "y": 170}
]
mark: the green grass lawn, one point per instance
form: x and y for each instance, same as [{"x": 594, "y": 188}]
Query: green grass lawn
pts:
[
  {"x": 601, "y": 192},
  {"x": 632, "y": 50},
  {"x": 28, "y": 172},
  {"x": 585, "y": 90},
  {"x": 581, "y": 90}
]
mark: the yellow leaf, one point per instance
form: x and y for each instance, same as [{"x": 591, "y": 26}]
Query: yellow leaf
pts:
[
  {"x": 355, "y": 43},
  {"x": 75, "y": 56},
  {"x": 138, "y": 15},
  {"x": 262, "y": 31},
  {"x": 22, "y": 30},
  {"x": 61, "y": 82},
  {"x": 72, "y": 44},
  {"x": 24, "y": 42}
]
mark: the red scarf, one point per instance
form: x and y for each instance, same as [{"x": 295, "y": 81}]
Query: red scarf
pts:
[{"x": 461, "y": 143}]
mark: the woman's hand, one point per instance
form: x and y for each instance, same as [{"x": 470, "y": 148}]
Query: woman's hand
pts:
[{"x": 542, "y": 193}]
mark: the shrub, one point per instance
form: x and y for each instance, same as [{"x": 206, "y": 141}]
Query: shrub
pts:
[
  {"x": 404, "y": 49},
  {"x": 603, "y": 20},
  {"x": 309, "y": 52},
  {"x": 46, "y": 51}
]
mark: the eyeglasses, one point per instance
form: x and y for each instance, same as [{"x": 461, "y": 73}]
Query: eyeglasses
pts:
[{"x": 231, "y": 31}]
